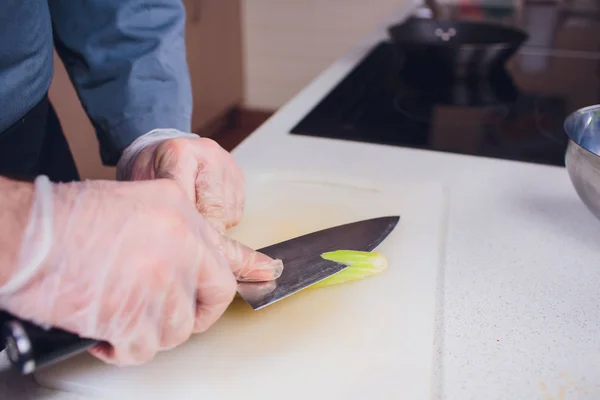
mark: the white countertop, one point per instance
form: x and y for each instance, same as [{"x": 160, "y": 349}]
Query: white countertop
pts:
[
  {"x": 520, "y": 313},
  {"x": 521, "y": 303}
]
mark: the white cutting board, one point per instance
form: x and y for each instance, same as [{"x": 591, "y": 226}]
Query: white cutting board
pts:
[{"x": 369, "y": 339}]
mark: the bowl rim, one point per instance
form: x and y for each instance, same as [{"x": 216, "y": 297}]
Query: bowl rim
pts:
[{"x": 572, "y": 116}]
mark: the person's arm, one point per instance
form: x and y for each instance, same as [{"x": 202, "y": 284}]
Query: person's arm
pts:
[
  {"x": 127, "y": 61},
  {"x": 15, "y": 203}
]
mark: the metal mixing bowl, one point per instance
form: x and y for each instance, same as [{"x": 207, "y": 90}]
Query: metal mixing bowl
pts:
[{"x": 582, "y": 158}]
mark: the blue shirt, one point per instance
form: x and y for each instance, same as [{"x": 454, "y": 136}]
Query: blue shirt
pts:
[{"x": 126, "y": 59}]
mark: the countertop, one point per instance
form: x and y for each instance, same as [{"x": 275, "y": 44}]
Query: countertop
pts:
[{"x": 519, "y": 312}]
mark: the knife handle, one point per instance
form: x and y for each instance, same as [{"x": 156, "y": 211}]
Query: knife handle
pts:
[{"x": 30, "y": 347}]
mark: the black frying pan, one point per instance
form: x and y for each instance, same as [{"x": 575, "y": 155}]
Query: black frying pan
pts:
[{"x": 458, "y": 48}]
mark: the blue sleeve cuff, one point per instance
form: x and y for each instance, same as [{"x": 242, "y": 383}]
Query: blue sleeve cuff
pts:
[{"x": 118, "y": 137}]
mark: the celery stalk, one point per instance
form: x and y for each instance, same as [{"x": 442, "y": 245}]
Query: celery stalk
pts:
[{"x": 361, "y": 264}]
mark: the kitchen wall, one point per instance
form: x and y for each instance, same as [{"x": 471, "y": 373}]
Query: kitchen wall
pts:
[
  {"x": 288, "y": 42},
  {"x": 76, "y": 126}
]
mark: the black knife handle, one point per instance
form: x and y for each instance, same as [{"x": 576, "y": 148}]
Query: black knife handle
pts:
[{"x": 30, "y": 347}]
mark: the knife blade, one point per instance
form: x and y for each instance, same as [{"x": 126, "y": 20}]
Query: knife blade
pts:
[
  {"x": 30, "y": 347},
  {"x": 303, "y": 265}
]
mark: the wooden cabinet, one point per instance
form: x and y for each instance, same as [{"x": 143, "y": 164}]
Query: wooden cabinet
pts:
[
  {"x": 214, "y": 51},
  {"x": 214, "y": 46}
]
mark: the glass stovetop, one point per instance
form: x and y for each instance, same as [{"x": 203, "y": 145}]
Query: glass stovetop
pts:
[{"x": 516, "y": 114}]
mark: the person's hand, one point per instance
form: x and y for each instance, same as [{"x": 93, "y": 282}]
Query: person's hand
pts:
[
  {"x": 206, "y": 172},
  {"x": 132, "y": 264}
]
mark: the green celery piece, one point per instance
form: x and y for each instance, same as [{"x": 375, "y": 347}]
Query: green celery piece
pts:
[{"x": 361, "y": 264}]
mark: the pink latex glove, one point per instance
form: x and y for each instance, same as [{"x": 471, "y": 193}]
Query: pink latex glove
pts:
[{"x": 206, "y": 172}]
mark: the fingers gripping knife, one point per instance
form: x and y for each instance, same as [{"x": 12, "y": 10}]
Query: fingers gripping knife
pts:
[{"x": 30, "y": 347}]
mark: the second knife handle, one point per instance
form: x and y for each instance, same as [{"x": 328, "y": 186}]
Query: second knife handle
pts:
[{"x": 30, "y": 347}]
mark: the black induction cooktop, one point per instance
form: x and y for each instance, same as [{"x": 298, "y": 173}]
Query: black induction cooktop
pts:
[{"x": 515, "y": 113}]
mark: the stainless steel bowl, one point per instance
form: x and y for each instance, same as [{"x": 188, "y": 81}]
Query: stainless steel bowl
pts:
[{"x": 582, "y": 158}]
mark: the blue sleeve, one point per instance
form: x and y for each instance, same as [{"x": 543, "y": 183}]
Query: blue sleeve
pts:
[{"x": 127, "y": 61}]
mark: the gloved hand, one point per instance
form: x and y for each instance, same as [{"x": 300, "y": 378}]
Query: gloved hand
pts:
[
  {"x": 132, "y": 264},
  {"x": 206, "y": 172}
]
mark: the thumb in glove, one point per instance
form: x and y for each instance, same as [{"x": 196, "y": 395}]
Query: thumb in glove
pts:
[{"x": 249, "y": 265}]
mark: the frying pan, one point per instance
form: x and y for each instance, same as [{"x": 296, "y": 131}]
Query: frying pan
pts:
[{"x": 457, "y": 48}]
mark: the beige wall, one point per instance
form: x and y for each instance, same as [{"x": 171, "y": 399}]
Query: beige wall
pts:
[
  {"x": 288, "y": 42},
  {"x": 77, "y": 127}
]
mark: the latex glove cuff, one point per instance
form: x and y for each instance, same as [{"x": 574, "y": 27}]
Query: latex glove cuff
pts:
[
  {"x": 37, "y": 239},
  {"x": 151, "y": 138}
]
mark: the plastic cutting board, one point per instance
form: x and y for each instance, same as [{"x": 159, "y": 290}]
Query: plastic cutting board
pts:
[{"x": 369, "y": 339}]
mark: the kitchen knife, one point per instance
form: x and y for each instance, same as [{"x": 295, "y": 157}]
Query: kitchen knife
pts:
[
  {"x": 30, "y": 347},
  {"x": 303, "y": 265}
]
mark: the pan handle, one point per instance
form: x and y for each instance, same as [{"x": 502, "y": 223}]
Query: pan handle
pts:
[{"x": 30, "y": 347}]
